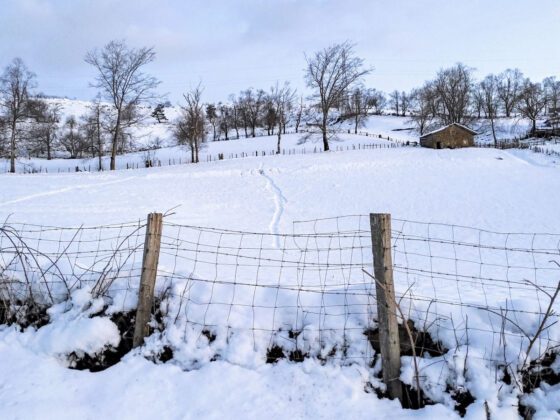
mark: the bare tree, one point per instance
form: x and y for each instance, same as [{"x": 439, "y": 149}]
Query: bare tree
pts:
[
  {"x": 453, "y": 87},
  {"x": 405, "y": 103},
  {"x": 97, "y": 112},
  {"x": 72, "y": 139},
  {"x": 242, "y": 104},
  {"x": 212, "y": 117},
  {"x": 269, "y": 117},
  {"x": 88, "y": 131},
  {"x": 225, "y": 119},
  {"x": 510, "y": 84},
  {"x": 532, "y": 102},
  {"x": 331, "y": 73},
  {"x": 254, "y": 103},
  {"x": 490, "y": 100},
  {"x": 422, "y": 107},
  {"x": 379, "y": 102},
  {"x": 235, "y": 115},
  {"x": 552, "y": 91},
  {"x": 478, "y": 100},
  {"x": 282, "y": 99},
  {"x": 395, "y": 100},
  {"x": 45, "y": 130},
  {"x": 131, "y": 116},
  {"x": 3, "y": 136},
  {"x": 299, "y": 114},
  {"x": 94, "y": 127},
  {"x": 16, "y": 82},
  {"x": 189, "y": 127},
  {"x": 122, "y": 81},
  {"x": 360, "y": 103}
]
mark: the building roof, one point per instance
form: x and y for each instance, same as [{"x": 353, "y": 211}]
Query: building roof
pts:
[{"x": 464, "y": 127}]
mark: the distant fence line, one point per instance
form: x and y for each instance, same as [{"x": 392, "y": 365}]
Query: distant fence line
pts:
[
  {"x": 536, "y": 146},
  {"x": 304, "y": 131},
  {"x": 515, "y": 143},
  {"x": 546, "y": 151},
  {"x": 226, "y": 156}
]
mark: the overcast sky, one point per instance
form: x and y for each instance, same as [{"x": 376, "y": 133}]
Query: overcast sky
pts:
[{"x": 231, "y": 45}]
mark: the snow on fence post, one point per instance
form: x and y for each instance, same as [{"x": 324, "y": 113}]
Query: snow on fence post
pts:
[
  {"x": 389, "y": 343},
  {"x": 148, "y": 277}
]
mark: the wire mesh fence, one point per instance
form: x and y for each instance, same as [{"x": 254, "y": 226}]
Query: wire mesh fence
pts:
[
  {"x": 43, "y": 265},
  {"x": 493, "y": 290},
  {"x": 303, "y": 292},
  {"x": 307, "y": 293}
]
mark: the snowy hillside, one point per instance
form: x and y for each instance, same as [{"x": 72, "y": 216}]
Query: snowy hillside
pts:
[
  {"x": 153, "y": 141},
  {"x": 483, "y": 188},
  {"x": 145, "y": 133},
  {"x": 401, "y": 128},
  {"x": 244, "y": 280}
]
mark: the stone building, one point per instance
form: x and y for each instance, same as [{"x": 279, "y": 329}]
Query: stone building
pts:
[{"x": 449, "y": 137}]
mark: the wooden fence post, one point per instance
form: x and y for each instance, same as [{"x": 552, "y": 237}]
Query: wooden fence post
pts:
[
  {"x": 386, "y": 304},
  {"x": 148, "y": 277}
]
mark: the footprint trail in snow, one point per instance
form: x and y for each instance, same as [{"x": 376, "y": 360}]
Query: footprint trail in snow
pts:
[{"x": 279, "y": 201}]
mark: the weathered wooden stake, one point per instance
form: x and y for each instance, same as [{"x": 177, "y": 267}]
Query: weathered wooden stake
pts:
[
  {"x": 148, "y": 278},
  {"x": 386, "y": 304}
]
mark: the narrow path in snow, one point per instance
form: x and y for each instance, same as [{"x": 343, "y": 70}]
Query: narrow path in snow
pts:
[
  {"x": 63, "y": 190},
  {"x": 279, "y": 201}
]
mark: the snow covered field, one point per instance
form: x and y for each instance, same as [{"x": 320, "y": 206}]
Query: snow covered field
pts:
[
  {"x": 484, "y": 188},
  {"x": 505, "y": 191}
]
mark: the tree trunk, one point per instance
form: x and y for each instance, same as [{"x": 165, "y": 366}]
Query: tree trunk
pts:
[
  {"x": 279, "y": 134},
  {"x": 356, "y": 124},
  {"x": 325, "y": 141},
  {"x": 493, "y": 132},
  {"x": 99, "y": 143},
  {"x": 99, "y": 152},
  {"x": 324, "y": 130},
  {"x": 115, "y": 142},
  {"x": 13, "y": 148},
  {"x": 48, "y": 146}
]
